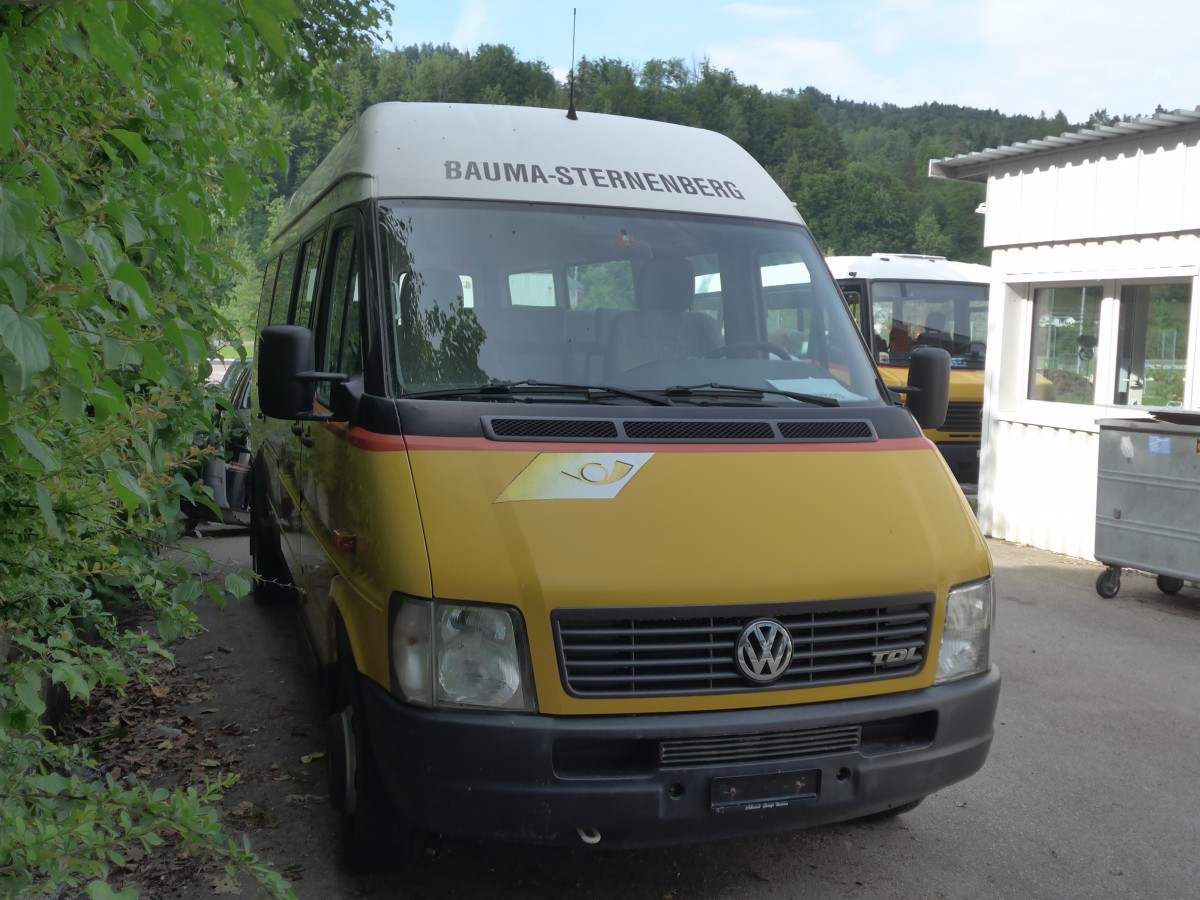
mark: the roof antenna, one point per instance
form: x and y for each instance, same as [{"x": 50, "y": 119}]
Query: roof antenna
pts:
[{"x": 571, "y": 75}]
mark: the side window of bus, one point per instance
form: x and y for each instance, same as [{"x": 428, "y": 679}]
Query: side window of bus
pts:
[
  {"x": 602, "y": 285},
  {"x": 282, "y": 301},
  {"x": 708, "y": 299},
  {"x": 787, "y": 299},
  {"x": 530, "y": 289},
  {"x": 341, "y": 348},
  {"x": 267, "y": 293},
  {"x": 310, "y": 253}
]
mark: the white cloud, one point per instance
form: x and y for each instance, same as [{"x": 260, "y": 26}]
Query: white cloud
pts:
[
  {"x": 471, "y": 25},
  {"x": 775, "y": 64},
  {"x": 759, "y": 12},
  {"x": 1017, "y": 56},
  {"x": 1031, "y": 56}
]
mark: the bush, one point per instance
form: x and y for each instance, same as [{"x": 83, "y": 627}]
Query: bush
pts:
[{"x": 131, "y": 137}]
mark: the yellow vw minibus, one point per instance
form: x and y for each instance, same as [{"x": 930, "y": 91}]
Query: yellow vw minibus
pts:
[
  {"x": 903, "y": 301},
  {"x": 603, "y": 525}
]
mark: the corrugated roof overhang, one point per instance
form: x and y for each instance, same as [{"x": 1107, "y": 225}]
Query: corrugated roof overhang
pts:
[{"x": 976, "y": 166}]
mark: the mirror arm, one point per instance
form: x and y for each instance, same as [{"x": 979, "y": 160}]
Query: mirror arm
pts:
[{"x": 333, "y": 377}]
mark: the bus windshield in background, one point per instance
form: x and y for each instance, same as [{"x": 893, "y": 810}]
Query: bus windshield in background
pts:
[{"x": 909, "y": 314}]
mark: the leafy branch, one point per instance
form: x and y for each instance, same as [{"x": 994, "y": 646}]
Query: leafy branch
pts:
[{"x": 132, "y": 136}]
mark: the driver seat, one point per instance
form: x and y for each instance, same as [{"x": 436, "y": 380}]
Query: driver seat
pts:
[{"x": 663, "y": 326}]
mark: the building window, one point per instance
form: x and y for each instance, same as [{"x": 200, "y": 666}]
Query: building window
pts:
[
  {"x": 1062, "y": 362},
  {"x": 1152, "y": 342}
]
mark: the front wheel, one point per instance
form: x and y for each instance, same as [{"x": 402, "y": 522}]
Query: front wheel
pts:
[{"x": 375, "y": 837}]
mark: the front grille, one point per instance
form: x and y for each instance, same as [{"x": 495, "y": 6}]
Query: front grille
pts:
[
  {"x": 609, "y": 757},
  {"x": 688, "y": 652},
  {"x": 964, "y": 417},
  {"x": 756, "y": 748}
]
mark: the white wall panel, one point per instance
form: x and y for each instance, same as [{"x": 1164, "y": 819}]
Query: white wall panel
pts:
[
  {"x": 1039, "y": 195},
  {"x": 1160, "y": 176},
  {"x": 1145, "y": 185},
  {"x": 1190, "y": 188},
  {"x": 1116, "y": 193},
  {"x": 1000, "y": 226},
  {"x": 1076, "y": 197},
  {"x": 1042, "y": 490}
]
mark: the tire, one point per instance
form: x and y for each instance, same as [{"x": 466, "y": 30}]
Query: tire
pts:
[
  {"x": 374, "y": 836},
  {"x": 272, "y": 582},
  {"x": 1109, "y": 583},
  {"x": 1169, "y": 585}
]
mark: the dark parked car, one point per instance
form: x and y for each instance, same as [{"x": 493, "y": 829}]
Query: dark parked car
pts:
[{"x": 227, "y": 472}]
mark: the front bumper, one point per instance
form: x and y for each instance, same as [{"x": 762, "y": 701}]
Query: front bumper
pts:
[{"x": 540, "y": 779}]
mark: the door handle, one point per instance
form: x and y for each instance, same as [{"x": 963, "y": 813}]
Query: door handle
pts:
[{"x": 301, "y": 432}]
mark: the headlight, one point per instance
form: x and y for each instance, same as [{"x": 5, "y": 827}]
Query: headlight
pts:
[
  {"x": 460, "y": 655},
  {"x": 967, "y": 633}
]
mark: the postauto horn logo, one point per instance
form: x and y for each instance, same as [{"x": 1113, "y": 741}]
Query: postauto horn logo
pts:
[{"x": 574, "y": 476}]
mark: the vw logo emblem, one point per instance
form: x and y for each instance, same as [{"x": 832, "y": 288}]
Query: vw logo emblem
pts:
[{"x": 764, "y": 651}]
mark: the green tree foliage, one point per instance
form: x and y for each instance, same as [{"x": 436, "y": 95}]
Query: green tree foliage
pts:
[{"x": 132, "y": 137}]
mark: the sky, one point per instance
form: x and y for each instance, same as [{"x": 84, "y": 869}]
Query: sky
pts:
[{"x": 1017, "y": 56}]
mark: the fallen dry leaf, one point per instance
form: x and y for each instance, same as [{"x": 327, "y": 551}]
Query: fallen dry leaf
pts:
[
  {"x": 226, "y": 885},
  {"x": 309, "y": 757}
]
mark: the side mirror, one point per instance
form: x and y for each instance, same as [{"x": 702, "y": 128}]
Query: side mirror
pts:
[
  {"x": 286, "y": 380},
  {"x": 928, "y": 394}
]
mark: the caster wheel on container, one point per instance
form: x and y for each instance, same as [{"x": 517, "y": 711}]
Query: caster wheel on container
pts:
[
  {"x": 1108, "y": 583},
  {"x": 1169, "y": 585}
]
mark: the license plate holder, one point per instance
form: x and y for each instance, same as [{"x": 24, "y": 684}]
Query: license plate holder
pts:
[{"x": 766, "y": 791}]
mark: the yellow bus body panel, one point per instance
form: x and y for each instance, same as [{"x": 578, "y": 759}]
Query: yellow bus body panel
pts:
[{"x": 691, "y": 527}]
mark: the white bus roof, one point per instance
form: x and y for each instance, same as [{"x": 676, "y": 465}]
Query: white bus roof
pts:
[
  {"x": 478, "y": 152},
  {"x": 908, "y": 267}
]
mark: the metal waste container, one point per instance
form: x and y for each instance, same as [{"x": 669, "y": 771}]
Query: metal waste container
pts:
[{"x": 1148, "y": 500}]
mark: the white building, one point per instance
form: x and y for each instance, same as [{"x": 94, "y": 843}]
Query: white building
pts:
[{"x": 1095, "y": 240}]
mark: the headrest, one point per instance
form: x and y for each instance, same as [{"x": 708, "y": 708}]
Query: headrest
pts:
[
  {"x": 666, "y": 282},
  {"x": 935, "y": 321}
]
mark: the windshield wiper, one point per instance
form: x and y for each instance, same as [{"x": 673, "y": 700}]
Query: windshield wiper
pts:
[
  {"x": 716, "y": 389},
  {"x": 590, "y": 392}
]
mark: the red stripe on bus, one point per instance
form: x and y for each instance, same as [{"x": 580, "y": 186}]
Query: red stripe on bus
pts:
[{"x": 383, "y": 443}]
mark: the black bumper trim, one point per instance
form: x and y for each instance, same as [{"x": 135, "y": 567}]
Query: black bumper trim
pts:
[{"x": 492, "y": 774}]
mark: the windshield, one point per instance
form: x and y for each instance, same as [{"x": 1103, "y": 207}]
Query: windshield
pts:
[
  {"x": 616, "y": 301},
  {"x": 908, "y": 314}
]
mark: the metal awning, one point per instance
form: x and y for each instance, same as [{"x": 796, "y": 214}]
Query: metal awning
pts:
[{"x": 975, "y": 166}]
